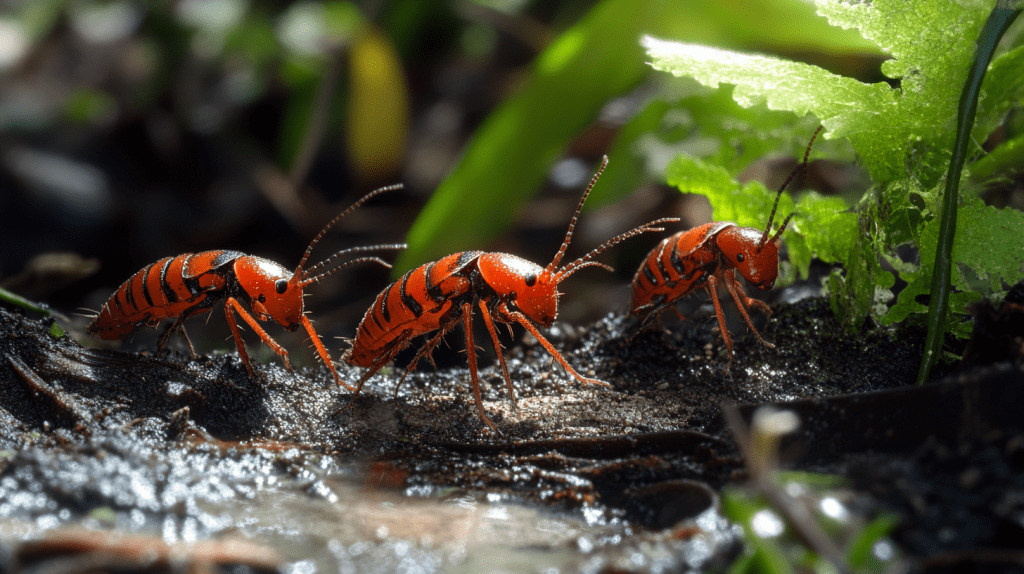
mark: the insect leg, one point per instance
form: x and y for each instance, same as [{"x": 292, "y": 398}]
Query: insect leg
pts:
[
  {"x": 712, "y": 287},
  {"x": 652, "y": 312},
  {"x": 748, "y": 301},
  {"x": 522, "y": 320},
  {"x": 425, "y": 350},
  {"x": 501, "y": 356},
  {"x": 184, "y": 334},
  {"x": 232, "y": 304},
  {"x": 743, "y": 301},
  {"x": 324, "y": 355},
  {"x": 382, "y": 360},
  {"x": 228, "y": 306},
  {"x": 467, "y": 324},
  {"x": 179, "y": 326},
  {"x": 678, "y": 313},
  {"x": 164, "y": 336}
]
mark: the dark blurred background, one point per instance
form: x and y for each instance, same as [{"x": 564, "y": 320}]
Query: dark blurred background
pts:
[{"x": 130, "y": 131}]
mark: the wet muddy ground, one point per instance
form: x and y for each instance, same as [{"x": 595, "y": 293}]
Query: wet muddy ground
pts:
[{"x": 114, "y": 460}]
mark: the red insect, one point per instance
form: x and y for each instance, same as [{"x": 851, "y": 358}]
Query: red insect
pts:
[
  {"x": 437, "y": 296},
  {"x": 189, "y": 284},
  {"x": 705, "y": 257}
]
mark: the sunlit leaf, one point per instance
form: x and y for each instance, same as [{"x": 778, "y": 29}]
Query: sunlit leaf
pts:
[{"x": 988, "y": 247}]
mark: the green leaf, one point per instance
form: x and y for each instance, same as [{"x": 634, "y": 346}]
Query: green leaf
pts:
[
  {"x": 931, "y": 44},
  {"x": 378, "y": 108},
  {"x": 827, "y": 226},
  {"x": 730, "y": 200},
  {"x": 303, "y": 76},
  {"x": 710, "y": 126},
  {"x": 853, "y": 292},
  {"x": 987, "y": 248},
  {"x": 930, "y": 60},
  {"x": 844, "y": 105},
  {"x": 989, "y": 242},
  {"x": 1002, "y": 89},
  {"x": 517, "y": 144}
]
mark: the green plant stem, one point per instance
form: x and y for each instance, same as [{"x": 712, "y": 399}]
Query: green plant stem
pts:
[
  {"x": 19, "y": 301},
  {"x": 999, "y": 20}
]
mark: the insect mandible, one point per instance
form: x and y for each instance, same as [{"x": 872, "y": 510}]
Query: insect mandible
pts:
[
  {"x": 708, "y": 256},
  {"x": 435, "y": 297},
  {"x": 192, "y": 283}
]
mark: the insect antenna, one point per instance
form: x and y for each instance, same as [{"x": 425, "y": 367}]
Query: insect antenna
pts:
[
  {"x": 585, "y": 261},
  {"x": 362, "y": 200},
  {"x": 342, "y": 266},
  {"x": 92, "y": 313},
  {"x": 782, "y": 228},
  {"x": 316, "y": 268},
  {"x": 572, "y": 224},
  {"x": 797, "y": 169}
]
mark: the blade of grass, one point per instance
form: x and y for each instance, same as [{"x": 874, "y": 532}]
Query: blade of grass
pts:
[{"x": 999, "y": 20}]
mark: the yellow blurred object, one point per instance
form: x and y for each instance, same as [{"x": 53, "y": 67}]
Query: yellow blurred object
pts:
[{"x": 378, "y": 108}]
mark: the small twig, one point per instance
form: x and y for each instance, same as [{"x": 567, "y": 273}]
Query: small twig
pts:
[{"x": 40, "y": 388}]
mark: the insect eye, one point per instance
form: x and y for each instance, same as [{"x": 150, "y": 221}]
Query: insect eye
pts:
[
  {"x": 512, "y": 296},
  {"x": 531, "y": 279},
  {"x": 262, "y": 298},
  {"x": 740, "y": 258},
  {"x": 281, "y": 286}
]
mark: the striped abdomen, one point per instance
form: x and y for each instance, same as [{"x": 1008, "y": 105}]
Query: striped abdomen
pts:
[
  {"x": 677, "y": 266},
  {"x": 169, "y": 288},
  {"x": 418, "y": 303}
]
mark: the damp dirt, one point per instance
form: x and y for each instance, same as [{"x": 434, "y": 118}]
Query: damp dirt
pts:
[{"x": 133, "y": 462}]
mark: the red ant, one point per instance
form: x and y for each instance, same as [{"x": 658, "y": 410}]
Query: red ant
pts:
[
  {"x": 438, "y": 295},
  {"x": 709, "y": 255},
  {"x": 189, "y": 284}
]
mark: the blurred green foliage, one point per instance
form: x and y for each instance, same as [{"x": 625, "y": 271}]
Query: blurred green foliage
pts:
[
  {"x": 772, "y": 547},
  {"x": 219, "y": 56},
  {"x": 595, "y": 60}
]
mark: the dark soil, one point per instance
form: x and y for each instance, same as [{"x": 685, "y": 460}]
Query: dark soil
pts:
[{"x": 141, "y": 444}]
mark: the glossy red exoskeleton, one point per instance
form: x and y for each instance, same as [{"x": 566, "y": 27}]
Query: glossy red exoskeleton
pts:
[
  {"x": 708, "y": 256},
  {"x": 436, "y": 296},
  {"x": 192, "y": 283}
]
